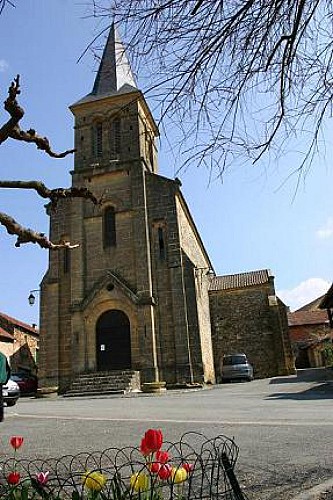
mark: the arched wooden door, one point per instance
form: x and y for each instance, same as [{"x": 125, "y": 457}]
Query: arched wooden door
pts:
[{"x": 113, "y": 341}]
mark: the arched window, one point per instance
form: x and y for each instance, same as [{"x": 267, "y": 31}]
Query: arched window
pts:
[
  {"x": 109, "y": 227},
  {"x": 97, "y": 139},
  {"x": 115, "y": 137}
]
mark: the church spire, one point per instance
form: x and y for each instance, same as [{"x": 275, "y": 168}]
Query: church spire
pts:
[
  {"x": 114, "y": 74},
  {"x": 114, "y": 70}
]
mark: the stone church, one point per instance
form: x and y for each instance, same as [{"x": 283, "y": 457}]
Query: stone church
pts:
[{"x": 134, "y": 295}]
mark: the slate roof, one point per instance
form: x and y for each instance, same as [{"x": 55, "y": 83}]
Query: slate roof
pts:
[
  {"x": 301, "y": 318},
  {"x": 114, "y": 74},
  {"x": 241, "y": 280}
]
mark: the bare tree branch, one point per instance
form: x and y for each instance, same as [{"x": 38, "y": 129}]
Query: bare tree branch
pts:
[
  {"x": 12, "y": 130},
  {"x": 26, "y": 235},
  {"x": 252, "y": 75},
  {"x": 54, "y": 195},
  {"x": 3, "y": 4}
]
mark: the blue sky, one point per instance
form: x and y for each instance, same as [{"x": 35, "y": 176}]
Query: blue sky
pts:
[{"x": 251, "y": 220}]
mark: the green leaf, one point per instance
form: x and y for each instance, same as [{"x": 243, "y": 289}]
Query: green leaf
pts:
[
  {"x": 75, "y": 495},
  {"x": 24, "y": 493}
]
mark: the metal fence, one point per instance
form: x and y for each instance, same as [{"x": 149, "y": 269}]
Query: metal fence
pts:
[{"x": 197, "y": 468}]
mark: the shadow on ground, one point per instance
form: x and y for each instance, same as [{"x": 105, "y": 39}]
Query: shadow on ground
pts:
[
  {"x": 319, "y": 391},
  {"x": 306, "y": 375}
]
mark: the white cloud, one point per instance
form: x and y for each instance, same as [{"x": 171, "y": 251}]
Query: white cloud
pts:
[
  {"x": 326, "y": 231},
  {"x": 3, "y": 65},
  {"x": 305, "y": 292}
]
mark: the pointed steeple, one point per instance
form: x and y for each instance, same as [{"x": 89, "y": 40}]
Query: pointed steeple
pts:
[
  {"x": 114, "y": 69},
  {"x": 114, "y": 74}
]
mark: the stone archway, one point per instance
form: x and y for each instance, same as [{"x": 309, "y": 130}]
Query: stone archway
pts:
[{"x": 113, "y": 341}]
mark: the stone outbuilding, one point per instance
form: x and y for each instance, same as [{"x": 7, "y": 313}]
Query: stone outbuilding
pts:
[
  {"x": 247, "y": 317},
  {"x": 19, "y": 342},
  {"x": 311, "y": 335}
]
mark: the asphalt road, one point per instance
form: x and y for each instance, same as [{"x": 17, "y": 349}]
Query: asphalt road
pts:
[{"x": 283, "y": 427}]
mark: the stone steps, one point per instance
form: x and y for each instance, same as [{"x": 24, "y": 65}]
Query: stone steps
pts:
[{"x": 99, "y": 383}]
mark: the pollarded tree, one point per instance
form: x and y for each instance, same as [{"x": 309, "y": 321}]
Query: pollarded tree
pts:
[
  {"x": 239, "y": 77},
  {"x": 12, "y": 130}
]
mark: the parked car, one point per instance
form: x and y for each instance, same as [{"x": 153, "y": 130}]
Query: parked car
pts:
[
  {"x": 236, "y": 367},
  {"x": 27, "y": 383},
  {"x": 10, "y": 392}
]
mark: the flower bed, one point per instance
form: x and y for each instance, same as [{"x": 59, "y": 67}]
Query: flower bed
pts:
[{"x": 191, "y": 469}]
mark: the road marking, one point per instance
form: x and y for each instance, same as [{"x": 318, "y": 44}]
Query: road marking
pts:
[{"x": 276, "y": 423}]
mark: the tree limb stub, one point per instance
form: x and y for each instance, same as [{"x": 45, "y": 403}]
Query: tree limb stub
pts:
[
  {"x": 12, "y": 129},
  {"x": 54, "y": 195},
  {"x": 26, "y": 235}
]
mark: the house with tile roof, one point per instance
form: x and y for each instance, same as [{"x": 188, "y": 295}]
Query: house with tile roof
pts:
[
  {"x": 327, "y": 304},
  {"x": 247, "y": 316},
  {"x": 311, "y": 335},
  {"x": 19, "y": 342}
]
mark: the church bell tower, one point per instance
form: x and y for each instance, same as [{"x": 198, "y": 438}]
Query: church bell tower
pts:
[{"x": 124, "y": 299}]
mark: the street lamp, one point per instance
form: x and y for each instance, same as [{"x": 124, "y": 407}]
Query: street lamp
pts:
[{"x": 32, "y": 298}]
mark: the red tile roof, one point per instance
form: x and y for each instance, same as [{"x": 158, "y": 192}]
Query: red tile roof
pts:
[
  {"x": 19, "y": 323},
  {"x": 242, "y": 280},
  {"x": 6, "y": 335},
  {"x": 298, "y": 318}
]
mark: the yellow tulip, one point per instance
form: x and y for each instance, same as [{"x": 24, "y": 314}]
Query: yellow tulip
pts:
[
  {"x": 139, "y": 481},
  {"x": 94, "y": 480},
  {"x": 178, "y": 475}
]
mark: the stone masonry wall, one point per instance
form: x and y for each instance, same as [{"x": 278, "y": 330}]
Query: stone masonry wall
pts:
[
  {"x": 182, "y": 321},
  {"x": 243, "y": 321}
]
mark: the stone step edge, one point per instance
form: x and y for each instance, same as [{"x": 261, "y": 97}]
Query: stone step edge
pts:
[{"x": 70, "y": 394}]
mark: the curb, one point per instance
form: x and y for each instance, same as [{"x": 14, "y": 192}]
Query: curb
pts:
[{"x": 316, "y": 491}]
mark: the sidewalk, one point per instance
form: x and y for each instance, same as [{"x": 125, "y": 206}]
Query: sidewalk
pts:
[{"x": 322, "y": 491}]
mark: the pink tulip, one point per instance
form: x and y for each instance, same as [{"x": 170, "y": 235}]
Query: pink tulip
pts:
[
  {"x": 188, "y": 467},
  {"x": 42, "y": 477}
]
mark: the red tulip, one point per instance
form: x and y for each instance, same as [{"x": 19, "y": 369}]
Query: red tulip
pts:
[
  {"x": 144, "y": 449},
  {"x": 162, "y": 456},
  {"x": 152, "y": 441},
  {"x": 13, "y": 478},
  {"x": 16, "y": 441},
  {"x": 165, "y": 472},
  {"x": 154, "y": 467}
]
